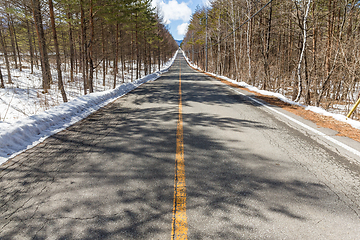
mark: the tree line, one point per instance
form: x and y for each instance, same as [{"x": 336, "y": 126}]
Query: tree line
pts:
[
  {"x": 306, "y": 49},
  {"x": 83, "y": 37}
]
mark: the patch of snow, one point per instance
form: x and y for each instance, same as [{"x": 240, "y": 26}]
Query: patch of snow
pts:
[
  {"x": 339, "y": 117},
  {"x": 16, "y": 137}
]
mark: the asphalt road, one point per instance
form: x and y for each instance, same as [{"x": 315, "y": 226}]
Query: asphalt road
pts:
[{"x": 249, "y": 173}]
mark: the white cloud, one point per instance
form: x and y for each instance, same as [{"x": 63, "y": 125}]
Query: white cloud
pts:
[
  {"x": 173, "y": 10},
  {"x": 182, "y": 28},
  {"x": 206, "y": 3}
]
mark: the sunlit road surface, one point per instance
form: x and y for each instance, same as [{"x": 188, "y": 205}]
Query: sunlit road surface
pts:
[{"x": 183, "y": 160}]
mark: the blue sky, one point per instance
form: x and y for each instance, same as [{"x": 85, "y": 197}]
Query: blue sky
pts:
[{"x": 177, "y": 13}]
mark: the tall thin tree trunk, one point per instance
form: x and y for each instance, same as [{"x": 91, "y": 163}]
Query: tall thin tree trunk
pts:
[
  {"x": 329, "y": 38},
  {"x": 218, "y": 67},
  {"x": 233, "y": 22},
  {"x": 64, "y": 49},
  {"x": 3, "y": 45},
  {"x": 31, "y": 48},
  {"x": 145, "y": 57},
  {"x": 79, "y": 57},
  {"x": 307, "y": 81},
  {"x": 58, "y": 60},
  {"x": 2, "y": 85},
  {"x": 36, "y": 58},
  {"x": 267, "y": 51},
  {"x": 248, "y": 41},
  {"x": 137, "y": 47},
  {"x": 116, "y": 59},
  {"x": 71, "y": 41},
  {"x": 91, "y": 54},
  {"x": 149, "y": 58},
  {"x": 122, "y": 60},
  {"x": 45, "y": 66},
  {"x": 103, "y": 53},
  {"x": 290, "y": 47},
  {"x": 159, "y": 56},
  {"x": 83, "y": 46},
  {"x": 132, "y": 55},
  {"x": 315, "y": 51},
  {"x": 17, "y": 48},
  {"x": 302, "y": 52},
  {"x": 12, "y": 42}
]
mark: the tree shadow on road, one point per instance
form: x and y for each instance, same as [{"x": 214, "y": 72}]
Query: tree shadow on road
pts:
[{"x": 111, "y": 176}]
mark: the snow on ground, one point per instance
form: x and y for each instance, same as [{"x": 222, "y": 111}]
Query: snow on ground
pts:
[
  {"x": 21, "y": 133},
  {"x": 24, "y": 97},
  {"x": 339, "y": 117}
]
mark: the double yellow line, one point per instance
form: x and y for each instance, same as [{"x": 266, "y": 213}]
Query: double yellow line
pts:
[{"x": 179, "y": 220}]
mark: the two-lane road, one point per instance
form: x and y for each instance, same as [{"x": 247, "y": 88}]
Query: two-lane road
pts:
[{"x": 183, "y": 157}]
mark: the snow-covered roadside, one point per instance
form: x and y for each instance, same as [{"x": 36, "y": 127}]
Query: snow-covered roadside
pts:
[
  {"x": 339, "y": 117},
  {"x": 28, "y": 132}
]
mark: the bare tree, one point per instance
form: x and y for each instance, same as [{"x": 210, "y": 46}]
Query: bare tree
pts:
[
  {"x": 58, "y": 60},
  {"x": 45, "y": 66},
  {"x": 6, "y": 57},
  {"x": 304, "y": 28}
]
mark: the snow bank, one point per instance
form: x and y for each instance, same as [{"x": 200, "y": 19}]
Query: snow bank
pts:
[
  {"x": 339, "y": 117},
  {"x": 26, "y": 133}
]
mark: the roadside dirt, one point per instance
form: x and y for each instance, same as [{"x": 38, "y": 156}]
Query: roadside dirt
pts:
[{"x": 342, "y": 128}]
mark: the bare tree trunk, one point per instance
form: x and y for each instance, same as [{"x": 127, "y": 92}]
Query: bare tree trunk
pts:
[
  {"x": 58, "y": 60},
  {"x": 149, "y": 61},
  {"x": 79, "y": 56},
  {"x": 116, "y": 59},
  {"x": 132, "y": 55},
  {"x": 31, "y": 48},
  {"x": 6, "y": 57},
  {"x": 36, "y": 58},
  {"x": 64, "y": 49},
  {"x": 83, "y": 47},
  {"x": 314, "y": 50},
  {"x": 218, "y": 64},
  {"x": 267, "y": 51},
  {"x": 12, "y": 41},
  {"x": 103, "y": 53},
  {"x": 137, "y": 48},
  {"x": 2, "y": 85},
  {"x": 248, "y": 41},
  {"x": 17, "y": 48},
  {"x": 122, "y": 59},
  {"x": 45, "y": 66},
  {"x": 233, "y": 22},
  {"x": 329, "y": 37},
  {"x": 145, "y": 53},
  {"x": 290, "y": 47},
  {"x": 91, "y": 54},
  {"x": 307, "y": 96},
  {"x": 71, "y": 41},
  {"x": 159, "y": 56},
  {"x": 302, "y": 52}
]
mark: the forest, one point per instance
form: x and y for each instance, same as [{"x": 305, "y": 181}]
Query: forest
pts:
[
  {"x": 81, "y": 41},
  {"x": 307, "y": 50}
]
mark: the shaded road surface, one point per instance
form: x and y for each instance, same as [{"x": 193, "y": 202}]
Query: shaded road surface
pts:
[{"x": 249, "y": 174}]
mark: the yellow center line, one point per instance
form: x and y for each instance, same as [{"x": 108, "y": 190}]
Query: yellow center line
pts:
[{"x": 179, "y": 221}]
